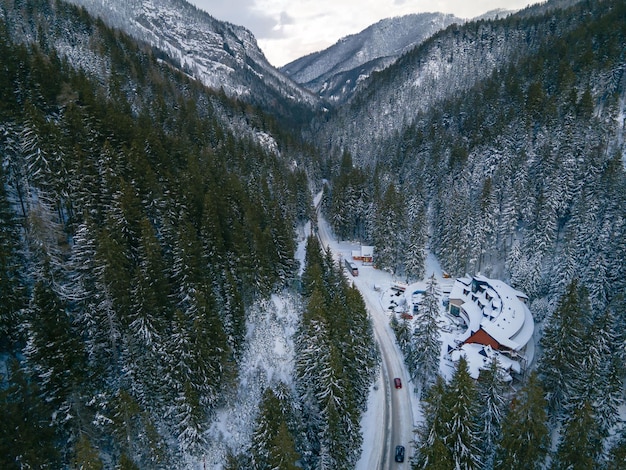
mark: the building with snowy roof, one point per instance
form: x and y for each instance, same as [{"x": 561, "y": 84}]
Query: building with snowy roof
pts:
[
  {"x": 497, "y": 317},
  {"x": 365, "y": 254}
]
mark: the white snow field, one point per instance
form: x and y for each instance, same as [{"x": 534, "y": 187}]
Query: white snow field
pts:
[{"x": 268, "y": 360}]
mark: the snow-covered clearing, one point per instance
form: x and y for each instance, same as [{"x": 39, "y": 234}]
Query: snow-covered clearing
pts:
[{"x": 267, "y": 361}]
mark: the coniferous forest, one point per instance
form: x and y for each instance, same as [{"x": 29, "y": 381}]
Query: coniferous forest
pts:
[
  {"x": 144, "y": 217},
  {"x": 137, "y": 228}
]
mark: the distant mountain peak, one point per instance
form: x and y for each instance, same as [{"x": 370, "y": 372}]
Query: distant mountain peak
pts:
[{"x": 335, "y": 72}]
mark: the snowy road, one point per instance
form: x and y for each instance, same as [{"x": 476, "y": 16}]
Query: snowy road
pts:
[
  {"x": 399, "y": 409},
  {"x": 389, "y": 420}
]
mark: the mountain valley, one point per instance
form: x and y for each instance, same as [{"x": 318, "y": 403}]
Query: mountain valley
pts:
[{"x": 164, "y": 303}]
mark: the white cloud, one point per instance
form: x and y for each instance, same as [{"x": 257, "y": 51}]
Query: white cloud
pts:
[{"x": 287, "y": 29}]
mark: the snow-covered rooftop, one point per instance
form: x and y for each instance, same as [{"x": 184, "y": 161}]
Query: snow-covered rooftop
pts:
[
  {"x": 496, "y": 308},
  {"x": 479, "y": 357}
]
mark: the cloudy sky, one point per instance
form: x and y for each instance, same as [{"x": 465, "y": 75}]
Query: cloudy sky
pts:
[{"x": 289, "y": 29}]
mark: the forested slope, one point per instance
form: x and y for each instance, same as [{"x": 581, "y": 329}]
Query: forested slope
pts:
[
  {"x": 335, "y": 72},
  {"x": 520, "y": 176},
  {"x": 142, "y": 215},
  {"x": 517, "y": 171},
  {"x": 445, "y": 65}
]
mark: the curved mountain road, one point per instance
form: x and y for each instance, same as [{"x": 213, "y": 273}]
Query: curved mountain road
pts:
[
  {"x": 397, "y": 426},
  {"x": 399, "y": 431}
]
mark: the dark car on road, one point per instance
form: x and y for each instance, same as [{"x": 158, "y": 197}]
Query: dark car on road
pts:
[
  {"x": 397, "y": 382},
  {"x": 399, "y": 453}
]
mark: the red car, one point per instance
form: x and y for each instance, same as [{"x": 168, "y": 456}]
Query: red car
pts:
[{"x": 397, "y": 382}]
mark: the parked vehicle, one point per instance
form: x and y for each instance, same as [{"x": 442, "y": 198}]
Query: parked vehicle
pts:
[{"x": 352, "y": 268}]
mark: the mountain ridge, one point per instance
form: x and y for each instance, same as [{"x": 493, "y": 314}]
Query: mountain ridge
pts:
[
  {"x": 335, "y": 72},
  {"x": 220, "y": 54}
]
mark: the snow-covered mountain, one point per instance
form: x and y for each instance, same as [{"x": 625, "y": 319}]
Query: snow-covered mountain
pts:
[
  {"x": 220, "y": 54},
  {"x": 335, "y": 72},
  {"x": 444, "y": 65}
]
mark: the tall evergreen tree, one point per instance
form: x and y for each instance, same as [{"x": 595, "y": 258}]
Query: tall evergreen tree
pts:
[
  {"x": 312, "y": 275},
  {"x": 311, "y": 354},
  {"x": 492, "y": 399},
  {"x": 416, "y": 247},
  {"x": 617, "y": 452},
  {"x": 525, "y": 435},
  {"x": 390, "y": 230},
  {"x": 563, "y": 343},
  {"x": 402, "y": 330},
  {"x": 26, "y": 437},
  {"x": 191, "y": 419},
  {"x": 600, "y": 384},
  {"x": 11, "y": 277},
  {"x": 96, "y": 315},
  {"x": 54, "y": 351},
  {"x": 137, "y": 438},
  {"x": 86, "y": 456},
  {"x": 449, "y": 436},
  {"x": 581, "y": 445},
  {"x": 425, "y": 343},
  {"x": 431, "y": 449},
  {"x": 463, "y": 432},
  {"x": 273, "y": 445}
]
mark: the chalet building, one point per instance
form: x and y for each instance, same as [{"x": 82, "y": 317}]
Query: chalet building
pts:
[
  {"x": 364, "y": 254},
  {"x": 497, "y": 318}
]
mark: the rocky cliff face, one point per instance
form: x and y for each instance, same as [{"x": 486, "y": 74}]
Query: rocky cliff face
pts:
[{"x": 220, "y": 54}]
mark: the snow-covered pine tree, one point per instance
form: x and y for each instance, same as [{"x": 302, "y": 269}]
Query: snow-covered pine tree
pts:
[
  {"x": 618, "y": 312},
  {"x": 361, "y": 353},
  {"x": 11, "y": 276},
  {"x": 425, "y": 342},
  {"x": 453, "y": 232},
  {"x": 485, "y": 228},
  {"x": 86, "y": 455},
  {"x": 191, "y": 419},
  {"x": 431, "y": 449},
  {"x": 617, "y": 452},
  {"x": 581, "y": 444},
  {"x": 150, "y": 309},
  {"x": 492, "y": 398},
  {"x": 416, "y": 249},
  {"x": 525, "y": 436},
  {"x": 273, "y": 445},
  {"x": 54, "y": 351},
  {"x": 563, "y": 350},
  {"x": 350, "y": 203},
  {"x": 390, "y": 230},
  {"x": 312, "y": 274},
  {"x": 600, "y": 383},
  {"x": 26, "y": 436},
  {"x": 96, "y": 317},
  {"x": 463, "y": 437},
  {"x": 311, "y": 355},
  {"x": 334, "y": 394},
  {"x": 139, "y": 445},
  {"x": 402, "y": 330}
]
